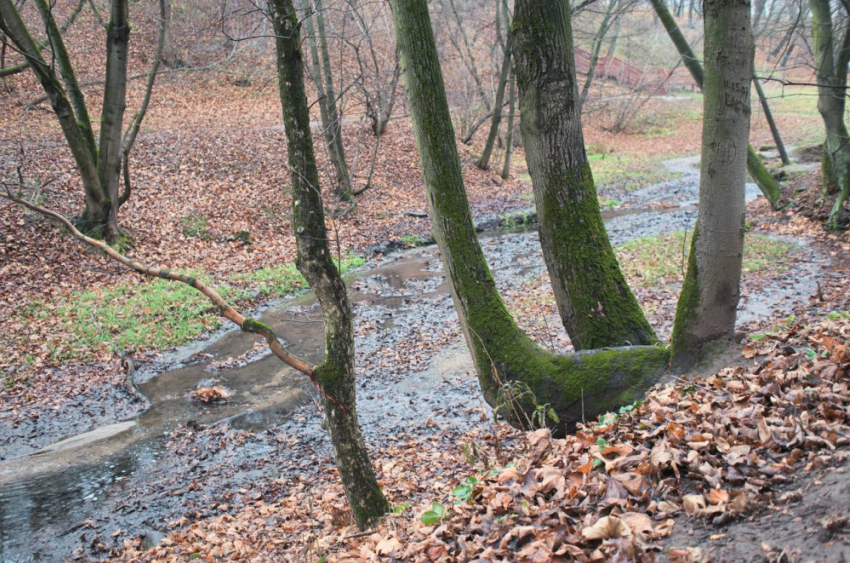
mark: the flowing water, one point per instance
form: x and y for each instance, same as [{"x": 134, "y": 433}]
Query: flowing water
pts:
[{"x": 48, "y": 497}]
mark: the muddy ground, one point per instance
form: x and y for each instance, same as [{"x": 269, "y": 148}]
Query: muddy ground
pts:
[{"x": 181, "y": 460}]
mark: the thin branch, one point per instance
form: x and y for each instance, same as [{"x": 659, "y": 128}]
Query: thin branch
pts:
[{"x": 223, "y": 307}]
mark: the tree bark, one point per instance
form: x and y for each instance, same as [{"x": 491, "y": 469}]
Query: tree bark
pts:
[
  {"x": 774, "y": 130},
  {"x": 595, "y": 303},
  {"x": 766, "y": 183},
  {"x": 578, "y": 386},
  {"x": 335, "y": 375},
  {"x": 705, "y": 315},
  {"x": 112, "y": 118},
  {"x": 831, "y": 69},
  {"x": 509, "y": 136}
]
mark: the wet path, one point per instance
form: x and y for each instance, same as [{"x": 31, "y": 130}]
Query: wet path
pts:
[{"x": 413, "y": 374}]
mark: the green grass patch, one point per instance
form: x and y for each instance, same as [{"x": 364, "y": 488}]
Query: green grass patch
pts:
[
  {"x": 651, "y": 261},
  {"x": 157, "y": 313}
]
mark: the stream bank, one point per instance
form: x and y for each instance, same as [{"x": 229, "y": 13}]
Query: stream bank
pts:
[{"x": 181, "y": 459}]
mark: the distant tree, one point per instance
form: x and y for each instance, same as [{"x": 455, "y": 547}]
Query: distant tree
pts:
[
  {"x": 832, "y": 56},
  {"x": 335, "y": 375},
  {"x": 576, "y": 386},
  {"x": 99, "y": 163},
  {"x": 484, "y": 162},
  {"x": 323, "y": 79},
  {"x": 706, "y": 312},
  {"x": 768, "y": 185}
]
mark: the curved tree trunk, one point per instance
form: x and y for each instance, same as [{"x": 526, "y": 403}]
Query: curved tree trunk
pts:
[
  {"x": 766, "y": 183},
  {"x": 596, "y": 305},
  {"x": 577, "y": 386},
  {"x": 705, "y": 316},
  {"x": 335, "y": 376}
]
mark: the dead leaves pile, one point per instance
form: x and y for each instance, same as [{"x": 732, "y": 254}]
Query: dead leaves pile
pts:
[{"x": 711, "y": 449}]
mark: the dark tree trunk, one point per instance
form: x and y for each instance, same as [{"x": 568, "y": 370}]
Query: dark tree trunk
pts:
[
  {"x": 335, "y": 376},
  {"x": 705, "y": 316},
  {"x": 596, "y": 305},
  {"x": 766, "y": 183},
  {"x": 112, "y": 118},
  {"x": 577, "y": 386}
]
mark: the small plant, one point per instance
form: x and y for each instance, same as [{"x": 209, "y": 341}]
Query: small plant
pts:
[
  {"x": 399, "y": 508},
  {"x": 437, "y": 513},
  {"x": 836, "y": 315},
  {"x": 195, "y": 226},
  {"x": 466, "y": 490},
  {"x": 411, "y": 241}
]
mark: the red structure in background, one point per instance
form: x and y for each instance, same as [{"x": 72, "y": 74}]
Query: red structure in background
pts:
[{"x": 635, "y": 77}]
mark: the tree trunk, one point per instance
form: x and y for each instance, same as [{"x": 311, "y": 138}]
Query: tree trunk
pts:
[
  {"x": 76, "y": 135},
  {"x": 596, "y": 305},
  {"x": 832, "y": 78},
  {"x": 112, "y": 119},
  {"x": 577, "y": 386},
  {"x": 484, "y": 162},
  {"x": 766, "y": 183},
  {"x": 774, "y": 130},
  {"x": 331, "y": 122},
  {"x": 335, "y": 375},
  {"x": 509, "y": 136},
  {"x": 705, "y": 315}
]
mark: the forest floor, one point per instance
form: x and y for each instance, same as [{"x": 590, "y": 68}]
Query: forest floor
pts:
[{"x": 208, "y": 169}]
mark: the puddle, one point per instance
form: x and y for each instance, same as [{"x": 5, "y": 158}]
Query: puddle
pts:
[{"x": 111, "y": 478}]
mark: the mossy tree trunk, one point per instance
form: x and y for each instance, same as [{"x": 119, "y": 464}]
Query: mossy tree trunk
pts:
[
  {"x": 766, "y": 183},
  {"x": 595, "y": 303},
  {"x": 706, "y": 312},
  {"x": 99, "y": 165},
  {"x": 577, "y": 386},
  {"x": 335, "y": 375},
  {"x": 832, "y": 55}
]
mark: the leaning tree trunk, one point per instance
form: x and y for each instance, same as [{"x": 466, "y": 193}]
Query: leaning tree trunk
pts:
[
  {"x": 335, "y": 376},
  {"x": 774, "y": 130},
  {"x": 832, "y": 80},
  {"x": 576, "y": 386},
  {"x": 596, "y": 305},
  {"x": 766, "y": 183},
  {"x": 595, "y": 50},
  {"x": 705, "y": 316}
]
